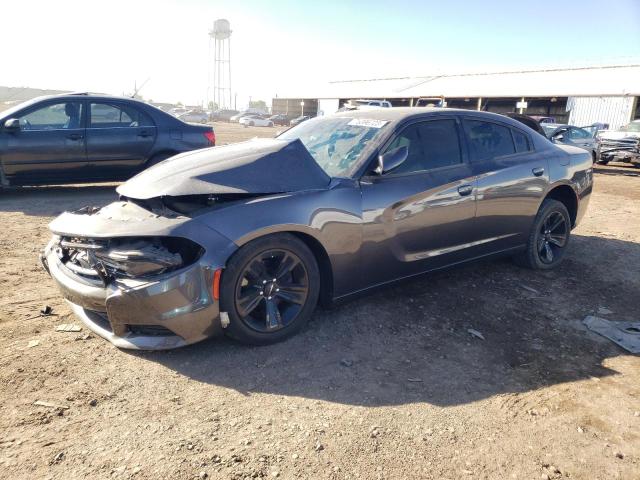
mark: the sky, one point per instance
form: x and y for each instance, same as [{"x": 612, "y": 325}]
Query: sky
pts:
[{"x": 284, "y": 46}]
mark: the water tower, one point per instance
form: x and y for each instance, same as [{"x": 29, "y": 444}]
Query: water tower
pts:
[{"x": 220, "y": 41}]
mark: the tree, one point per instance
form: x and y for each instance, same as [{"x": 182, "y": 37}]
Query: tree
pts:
[
  {"x": 213, "y": 106},
  {"x": 261, "y": 104}
]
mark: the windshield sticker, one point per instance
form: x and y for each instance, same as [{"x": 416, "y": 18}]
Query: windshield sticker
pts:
[{"x": 367, "y": 122}]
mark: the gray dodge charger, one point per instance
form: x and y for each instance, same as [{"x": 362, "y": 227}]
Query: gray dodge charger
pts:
[{"x": 247, "y": 239}]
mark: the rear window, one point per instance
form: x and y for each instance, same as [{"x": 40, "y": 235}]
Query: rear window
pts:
[
  {"x": 521, "y": 141},
  {"x": 488, "y": 140}
]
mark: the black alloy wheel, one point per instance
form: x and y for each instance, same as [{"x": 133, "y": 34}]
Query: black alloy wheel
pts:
[
  {"x": 269, "y": 289},
  {"x": 548, "y": 238},
  {"x": 552, "y": 237}
]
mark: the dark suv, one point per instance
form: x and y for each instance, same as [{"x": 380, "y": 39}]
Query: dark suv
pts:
[{"x": 85, "y": 137}]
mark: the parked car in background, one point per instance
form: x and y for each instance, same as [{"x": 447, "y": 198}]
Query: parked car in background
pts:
[
  {"x": 223, "y": 115},
  {"x": 245, "y": 239},
  {"x": 280, "y": 119},
  {"x": 249, "y": 111},
  {"x": 542, "y": 119},
  {"x": 178, "y": 111},
  {"x": 236, "y": 118},
  {"x": 86, "y": 137},
  {"x": 193, "y": 116},
  {"x": 363, "y": 104},
  {"x": 622, "y": 145},
  {"x": 574, "y": 136},
  {"x": 530, "y": 122},
  {"x": 430, "y": 102},
  {"x": 300, "y": 119},
  {"x": 256, "y": 121}
]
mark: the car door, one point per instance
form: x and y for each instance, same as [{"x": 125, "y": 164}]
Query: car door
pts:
[
  {"x": 579, "y": 137},
  {"x": 561, "y": 136},
  {"x": 420, "y": 215},
  {"x": 512, "y": 179},
  {"x": 49, "y": 145},
  {"x": 120, "y": 138}
]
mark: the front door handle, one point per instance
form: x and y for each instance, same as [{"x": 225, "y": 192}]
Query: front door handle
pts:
[
  {"x": 75, "y": 136},
  {"x": 144, "y": 134},
  {"x": 538, "y": 171},
  {"x": 465, "y": 190}
]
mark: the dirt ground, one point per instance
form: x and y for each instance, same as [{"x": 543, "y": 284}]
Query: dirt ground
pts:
[{"x": 388, "y": 386}]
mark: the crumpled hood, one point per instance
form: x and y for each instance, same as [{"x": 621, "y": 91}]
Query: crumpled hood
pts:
[{"x": 257, "y": 166}]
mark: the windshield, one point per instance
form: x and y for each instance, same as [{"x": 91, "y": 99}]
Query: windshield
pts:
[
  {"x": 9, "y": 112},
  {"x": 336, "y": 143},
  {"x": 631, "y": 127}
]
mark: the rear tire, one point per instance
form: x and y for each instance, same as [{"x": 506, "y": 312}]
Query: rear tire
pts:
[
  {"x": 263, "y": 311},
  {"x": 548, "y": 238}
]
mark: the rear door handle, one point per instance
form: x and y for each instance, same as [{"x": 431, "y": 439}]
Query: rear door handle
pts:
[
  {"x": 75, "y": 136},
  {"x": 465, "y": 190},
  {"x": 538, "y": 171}
]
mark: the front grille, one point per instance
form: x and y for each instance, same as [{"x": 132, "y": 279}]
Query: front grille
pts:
[
  {"x": 629, "y": 144},
  {"x": 150, "y": 330}
]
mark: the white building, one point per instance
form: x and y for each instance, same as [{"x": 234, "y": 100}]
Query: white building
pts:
[{"x": 579, "y": 96}]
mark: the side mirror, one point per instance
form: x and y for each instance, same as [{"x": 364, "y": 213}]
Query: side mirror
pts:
[
  {"x": 12, "y": 125},
  {"x": 558, "y": 138},
  {"x": 391, "y": 160}
]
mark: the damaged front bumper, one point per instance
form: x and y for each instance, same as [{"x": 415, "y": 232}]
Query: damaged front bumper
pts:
[
  {"x": 172, "y": 310},
  {"x": 620, "y": 150},
  {"x": 156, "y": 311}
]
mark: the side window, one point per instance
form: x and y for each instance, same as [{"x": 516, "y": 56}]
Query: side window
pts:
[
  {"x": 578, "y": 134},
  {"x": 521, "y": 141},
  {"x": 63, "y": 115},
  {"x": 488, "y": 140},
  {"x": 408, "y": 138},
  {"x": 105, "y": 115},
  {"x": 431, "y": 144}
]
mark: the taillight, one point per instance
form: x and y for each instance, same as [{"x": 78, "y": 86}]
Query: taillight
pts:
[{"x": 211, "y": 137}]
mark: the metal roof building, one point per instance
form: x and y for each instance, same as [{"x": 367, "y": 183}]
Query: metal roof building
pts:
[{"x": 580, "y": 95}]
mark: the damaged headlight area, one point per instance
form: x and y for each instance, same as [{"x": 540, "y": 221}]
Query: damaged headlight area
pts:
[{"x": 105, "y": 259}]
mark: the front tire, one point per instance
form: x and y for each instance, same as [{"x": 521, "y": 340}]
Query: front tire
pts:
[
  {"x": 548, "y": 238},
  {"x": 269, "y": 289}
]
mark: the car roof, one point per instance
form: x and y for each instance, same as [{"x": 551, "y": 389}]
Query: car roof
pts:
[
  {"x": 398, "y": 114},
  {"x": 93, "y": 96}
]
